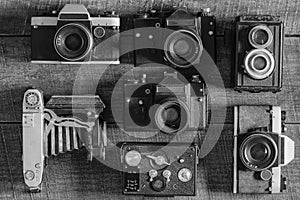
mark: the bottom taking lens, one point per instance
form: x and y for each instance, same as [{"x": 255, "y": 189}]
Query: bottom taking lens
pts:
[{"x": 260, "y": 63}]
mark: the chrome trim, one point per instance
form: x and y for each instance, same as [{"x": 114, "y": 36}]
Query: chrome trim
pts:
[
  {"x": 254, "y": 30},
  {"x": 43, "y": 21},
  {"x": 89, "y": 37},
  {"x": 105, "y": 21},
  {"x": 252, "y": 71}
]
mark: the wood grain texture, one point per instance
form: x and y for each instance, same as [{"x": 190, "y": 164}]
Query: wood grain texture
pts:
[{"x": 15, "y": 15}]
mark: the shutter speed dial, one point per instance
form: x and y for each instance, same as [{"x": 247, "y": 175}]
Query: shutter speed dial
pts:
[{"x": 32, "y": 99}]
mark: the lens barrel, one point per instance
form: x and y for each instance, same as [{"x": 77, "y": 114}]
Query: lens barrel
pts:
[
  {"x": 73, "y": 41},
  {"x": 258, "y": 152}
]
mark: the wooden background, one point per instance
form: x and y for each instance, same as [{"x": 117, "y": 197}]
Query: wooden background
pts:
[{"x": 69, "y": 176}]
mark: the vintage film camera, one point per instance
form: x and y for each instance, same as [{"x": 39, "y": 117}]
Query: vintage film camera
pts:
[
  {"x": 170, "y": 106},
  {"x": 45, "y": 133},
  {"x": 258, "y": 53},
  {"x": 181, "y": 47},
  {"x": 159, "y": 169},
  {"x": 75, "y": 37},
  {"x": 260, "y": 149}
]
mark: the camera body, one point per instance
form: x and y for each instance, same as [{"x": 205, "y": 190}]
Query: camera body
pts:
[
  {"x": 75, "y": 37},
  {"x": 182, "y": 45},
  {"x": 33, "y": 138},
  {"x": 159, "y": 169},
  {"x": 258, "y": 53},
  {"x": 46, "y": 134},
  {"x": 260, "y": 149},
  {"x": 169, "y": 106}
]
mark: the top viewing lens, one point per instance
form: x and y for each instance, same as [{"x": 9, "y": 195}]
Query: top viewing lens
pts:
[
  {"x": 260, "y": 37},
  {"x": 260, "y": 63}
]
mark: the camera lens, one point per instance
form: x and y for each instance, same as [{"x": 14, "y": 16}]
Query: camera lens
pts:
[
  {"x": 258, "y": 151},
  {"x": 73, "y": 41},
  {"x": 259, "y": 63},
  {"x": 172, "y": 116},
  {"x": 182, "y": 48},
  {"x": 260, "y": 36}
]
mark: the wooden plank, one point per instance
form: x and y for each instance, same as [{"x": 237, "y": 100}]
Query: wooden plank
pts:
[{"x": 225, "y": 11}]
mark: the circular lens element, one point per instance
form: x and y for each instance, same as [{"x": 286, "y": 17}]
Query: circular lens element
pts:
[
  {"x": 133, "y": 158},
  {"x": 185, "y": 175},
  {"x": 259, "y": 63},
  {"x": 258, "y": 152},
  {"x": 32, "y": 99},
  {"x": 182, "y": 48},
  {"x": 99, "y": 32},
  {"x": 73, "y": 42},
  {"x": 260, "y": 36},
  {"x": 172, "y": 116}
]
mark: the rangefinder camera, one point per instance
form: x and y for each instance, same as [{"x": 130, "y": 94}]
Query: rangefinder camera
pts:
[
  {"x": 258, "y": 53},
  {"x": 52, "y": 129},
  {"x": 75, "y": 37},
  {"x": 159, "y": 169},
  {"x": 169, "y": 106},
  {"x": 260, "y": 149},
  {"x": 181, "y": 45}
]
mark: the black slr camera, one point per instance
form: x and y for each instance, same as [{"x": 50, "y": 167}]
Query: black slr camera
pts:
[
  {"x": 260, "y": 149},
  {"x": 182, "y": 41},
  {"x": 169, "y": 106},
  {"x": 258, "y": 53},
  {"x": 74, "y": 36},
  {"x": 158, "y": 169}
]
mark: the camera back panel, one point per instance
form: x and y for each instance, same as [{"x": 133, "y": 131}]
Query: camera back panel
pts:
[
  {"x": 149, "y": 179},
  {"x": 243, "y": 27}
]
